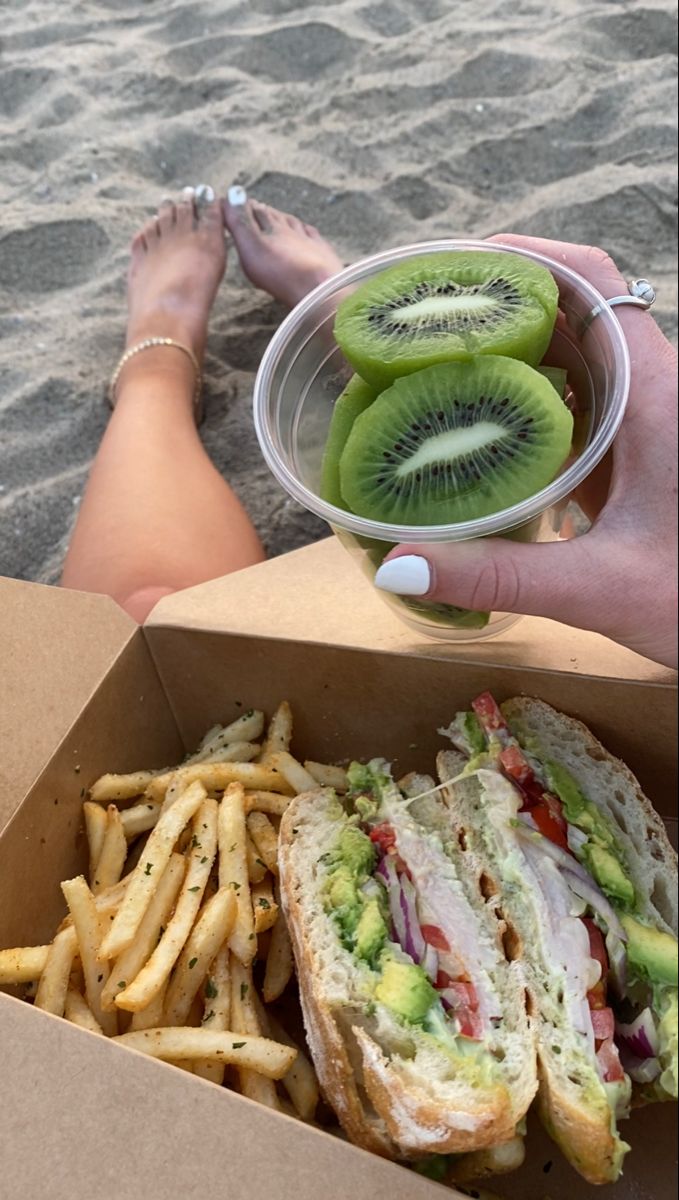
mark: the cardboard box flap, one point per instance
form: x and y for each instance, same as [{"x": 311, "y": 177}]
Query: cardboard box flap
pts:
[
  {"x": 318, "y": 594},
  {"x": 158, "y": 1132},
  {"x": 55, "y": 647}
]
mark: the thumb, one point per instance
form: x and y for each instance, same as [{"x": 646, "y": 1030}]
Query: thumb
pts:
[{"x": 553, "y": 579}]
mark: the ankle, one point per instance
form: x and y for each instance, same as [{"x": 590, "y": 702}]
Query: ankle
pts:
[{"x": 161, "y": 371}]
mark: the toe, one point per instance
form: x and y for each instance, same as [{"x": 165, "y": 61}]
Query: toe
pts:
[
  {"x": 167, "y": 216},
  {"x": 312, "y": 232},
  {"x": 210, "y": 215},
  {"x": 264, "y": 216},
  {"x": 239, "y": 219},
  {"x": 185, "y": 216},
  {"x": 294, "y": 223},
  {"x": 151, "y": 233}
]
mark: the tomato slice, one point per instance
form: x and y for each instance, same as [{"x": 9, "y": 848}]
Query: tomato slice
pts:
[
  {"x": 465, "y": 995},
  {"x": 603, "y": 1024},
  {"x": 490, "y": 717},
  {"x": 550, "y": 826},
  {"x": 609, "y": 1061},
  {"x": 435, "y": 937},
  {"x": 515, "y": 764},
  {"x": 461, "y": 999},
  {"x": 597, "y": 946},
  {"x": 443, "y": 980},
  {"x": 383, "y": 836}
]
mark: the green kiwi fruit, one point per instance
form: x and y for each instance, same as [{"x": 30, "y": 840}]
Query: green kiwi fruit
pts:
[
  {"x": 450, "y": 306},
  {"x": 355, "y": 398},
  {"x": 557, "y": 377},
  {"x": 455, "y": 442}
]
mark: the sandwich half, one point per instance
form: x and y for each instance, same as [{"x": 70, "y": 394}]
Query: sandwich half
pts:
[
  {"x": 578, "y": 862},
  {"x": 415, "y": 1020}
]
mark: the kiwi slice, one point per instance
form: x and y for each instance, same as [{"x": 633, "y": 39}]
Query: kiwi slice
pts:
[
  {"x": 450, "y": 306},
  {"x": 355, "y": 398},
  {"x": 557, "y": 377},
  {"x": 455, "y": 442}
]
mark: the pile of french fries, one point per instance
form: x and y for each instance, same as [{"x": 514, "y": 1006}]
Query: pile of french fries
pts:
[{"x": 158, "y": 948}]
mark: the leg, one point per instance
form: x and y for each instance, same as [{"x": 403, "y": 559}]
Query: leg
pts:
[{"x": 156, "y": 515}]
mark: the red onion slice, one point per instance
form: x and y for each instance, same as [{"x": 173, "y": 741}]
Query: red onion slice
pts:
[
  {"x": 640, "y": 1038},
  {"x": 579, "y": 881},
  {"x": 641, "y": 1070}
]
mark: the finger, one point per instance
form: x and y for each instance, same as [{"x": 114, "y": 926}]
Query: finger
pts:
[
  {"x": 561, "y": 580},
  {"x": 589, "y": 261}
]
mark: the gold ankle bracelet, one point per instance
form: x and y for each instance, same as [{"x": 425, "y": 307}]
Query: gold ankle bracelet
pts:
[{"x": 150, "y": 344}]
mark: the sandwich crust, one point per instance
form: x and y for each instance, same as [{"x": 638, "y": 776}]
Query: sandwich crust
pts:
[{"x": 326, "y": 1043}]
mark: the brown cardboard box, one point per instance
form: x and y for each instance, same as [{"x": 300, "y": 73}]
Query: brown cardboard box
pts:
[{"x": 83, "y": 692}]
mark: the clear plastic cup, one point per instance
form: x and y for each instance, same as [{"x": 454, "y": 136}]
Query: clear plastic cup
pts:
[{"x": 303, "y": 372}]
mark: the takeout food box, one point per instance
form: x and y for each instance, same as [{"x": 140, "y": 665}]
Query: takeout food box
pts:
[{"x": 84, "y": 691}]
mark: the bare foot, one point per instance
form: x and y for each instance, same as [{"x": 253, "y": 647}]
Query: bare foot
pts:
[
  {"x": 278, "y": 252},
  {"x": 178, "y": 260}
]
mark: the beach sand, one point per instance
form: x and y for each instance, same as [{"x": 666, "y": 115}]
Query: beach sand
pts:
[{"x": 380, "y": 121}]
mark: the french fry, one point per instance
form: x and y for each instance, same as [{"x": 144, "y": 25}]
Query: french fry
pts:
[
  {"x": 264, "y": 906},
  {"x": 78, "y": 1012},
  {"x": 128, "y": 965},
  {"x": 23, "y": 964},
  {"x": 233, "y": 871},
  {"x": 201, "y": 856},
  {"x": 244, "y": 1019},
  {"x": 139, "y": 818},
  {"x": 88, "y": 927},
  {"x": 109, "y": 868},
  {"x": 120, "y": 787},
  {"x": 211, "y": 930},
  {"x": 279, "y": 961},
  {"x": 265, "y": 838},
  {"x": 178, "y": 1044},
  {"x": 150, "y": 1017},
  {"x": 292, "y": 771},
  {"x": 247, "y": 728},
  {"x": 172, "y": 794},
  {"x": 266, "y": 802},
  {"x": 51, "y": 993},
  {"x": 148, "y": 871},
  {"x": 217, "y": 1010},
  {"x": 327, "y": 775},
  {"x": 279, "y": 733},
  {"x": 256, "y": 866},
  {"x": 234, "y": 752},
  {"x": 95, "y": 827},
  {"x": 216, "y": 777},
  {"x": 300, "y": 1082}
]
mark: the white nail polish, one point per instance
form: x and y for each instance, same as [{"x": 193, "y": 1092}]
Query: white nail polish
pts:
[
  {"x": 408, "y": 575},
  {"x": 237, "y": 195},
  {"x": 204, "y": 194},
  {"x": 188, "y": 193}
]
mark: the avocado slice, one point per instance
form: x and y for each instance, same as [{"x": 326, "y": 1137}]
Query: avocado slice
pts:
[
  {"x": 651, "y": 953},
  {"x": 371, "y": 932},
  {"x": 609, "y": 874},
  {"x": 406, "y": 990}
]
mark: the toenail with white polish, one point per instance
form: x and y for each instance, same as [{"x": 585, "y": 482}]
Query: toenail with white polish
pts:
[
  {"x": 203, "y": 194},
  {"x": 408, "y": 575},
  {"x": 237, "y": 195},
  {"x": 188, "y": 192}
]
